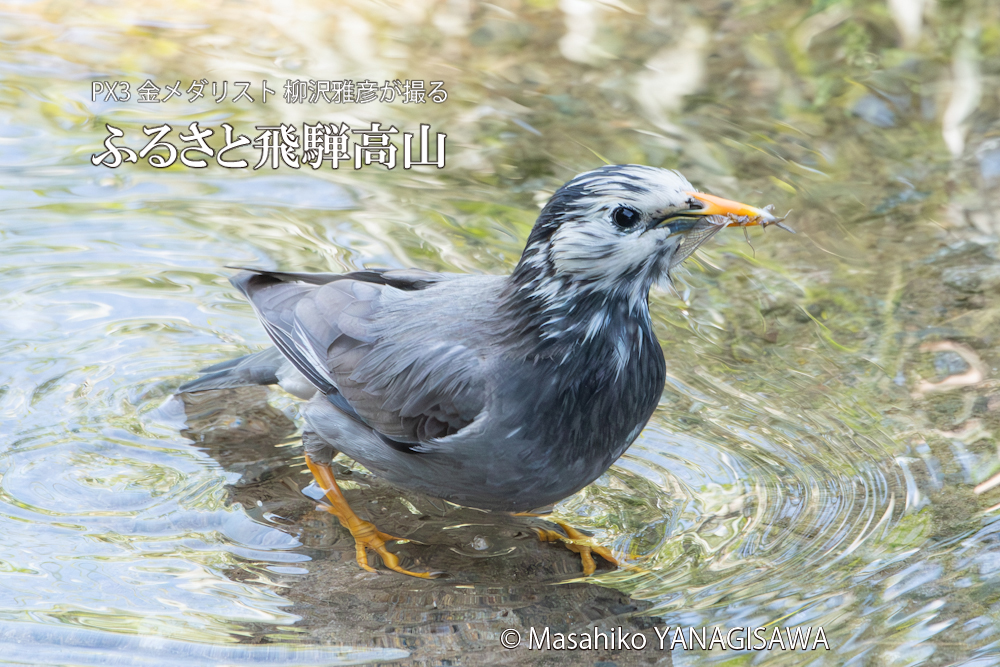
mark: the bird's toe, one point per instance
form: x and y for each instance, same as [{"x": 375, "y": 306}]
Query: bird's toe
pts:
[
  {"x": 367, "y": 536},
  {"x": 579, "y": 543}
]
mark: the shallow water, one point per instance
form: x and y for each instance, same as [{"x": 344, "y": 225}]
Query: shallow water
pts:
[{"x": 823, "y": 451}]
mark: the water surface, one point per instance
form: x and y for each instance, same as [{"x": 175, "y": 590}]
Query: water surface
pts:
[{"x": 825, "y": 445}]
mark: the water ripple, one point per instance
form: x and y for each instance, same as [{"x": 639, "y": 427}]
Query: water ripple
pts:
[{"x": 42, "y": 645}]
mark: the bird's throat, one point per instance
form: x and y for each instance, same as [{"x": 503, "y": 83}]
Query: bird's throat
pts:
[{"x": 555, "y": 317}]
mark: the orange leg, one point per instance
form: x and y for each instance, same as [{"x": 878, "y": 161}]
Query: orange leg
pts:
[
  {"x": 366, "y": 535},
  {"x": 575, "y": 541}
]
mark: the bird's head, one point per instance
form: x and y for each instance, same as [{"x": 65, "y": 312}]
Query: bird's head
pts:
[{"x": 617, "y": 230}]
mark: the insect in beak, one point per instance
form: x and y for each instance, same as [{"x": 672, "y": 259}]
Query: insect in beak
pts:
[{"x": 742, "y": 215}]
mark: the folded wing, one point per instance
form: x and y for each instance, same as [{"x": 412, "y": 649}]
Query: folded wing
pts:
[{"x": 354, "y": 336}]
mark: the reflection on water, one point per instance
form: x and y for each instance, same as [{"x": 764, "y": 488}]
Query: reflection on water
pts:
[
  {"x": 825, "y": 452},
  {"x": 35, "y": 644}
]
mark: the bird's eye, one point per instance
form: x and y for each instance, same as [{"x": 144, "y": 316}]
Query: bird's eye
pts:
[{"x": 625, "y": 217}]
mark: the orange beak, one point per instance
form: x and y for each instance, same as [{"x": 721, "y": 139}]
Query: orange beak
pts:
[{"x": 740, "y": 214}]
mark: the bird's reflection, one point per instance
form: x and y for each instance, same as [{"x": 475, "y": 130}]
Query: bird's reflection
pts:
[
  {"x": 242, "y": 431},
  {"x": 497, "y": 569}
]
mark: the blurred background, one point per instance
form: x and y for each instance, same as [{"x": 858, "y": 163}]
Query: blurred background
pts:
[{"x": 825, "y": 452}]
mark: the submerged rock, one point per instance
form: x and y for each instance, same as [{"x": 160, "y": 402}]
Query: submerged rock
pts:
[{"x": 972, "y": 279}]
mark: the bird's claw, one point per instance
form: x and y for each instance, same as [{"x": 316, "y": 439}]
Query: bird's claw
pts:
[
  {"x": 579, "y": 543},
  {"x": 367, "y": 536}
]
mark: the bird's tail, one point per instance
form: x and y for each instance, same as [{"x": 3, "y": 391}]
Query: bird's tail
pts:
[{"x": 253, "y": 369}]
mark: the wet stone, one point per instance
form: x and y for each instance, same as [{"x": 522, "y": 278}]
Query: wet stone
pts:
[
  {"x": 875, "y": 110},
  {"x": 989, "y": 160},
  {"x": 949, "y": 363},
  {"x": 972, "y": 279},
  {"x": 964, "y": 250}
]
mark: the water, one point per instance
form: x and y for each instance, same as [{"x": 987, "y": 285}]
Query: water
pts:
[{"x": 825, "y": 445}]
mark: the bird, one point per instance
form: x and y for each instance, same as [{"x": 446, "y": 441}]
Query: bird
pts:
[{"x": 499, "y": 392}]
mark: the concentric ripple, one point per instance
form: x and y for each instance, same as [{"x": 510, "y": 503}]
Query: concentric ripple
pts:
[
  {"x": 737, "y": 508},
  {"x": 77, "y": 481}
]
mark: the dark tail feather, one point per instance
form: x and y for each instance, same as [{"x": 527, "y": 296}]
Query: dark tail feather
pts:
[{"x": 253, "y": 369}]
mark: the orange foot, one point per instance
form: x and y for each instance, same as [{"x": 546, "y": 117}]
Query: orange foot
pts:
[
  {"x": 577, "y": 542},
  {"x": 366, "y": 535}
]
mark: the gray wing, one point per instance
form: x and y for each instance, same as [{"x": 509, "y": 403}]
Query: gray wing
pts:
[
  {"x": 404, "y": 279},
  {"x": 363, "y": 344}
]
